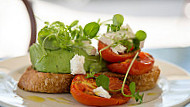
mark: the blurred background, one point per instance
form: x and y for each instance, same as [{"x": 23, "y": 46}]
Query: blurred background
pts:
[{"x": 166, "y": 22}]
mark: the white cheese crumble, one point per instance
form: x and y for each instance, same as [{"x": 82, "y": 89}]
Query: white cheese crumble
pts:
[
  {"x": 124, "y": 33},
  {"x": 119, "y": 48},
  {"x": 77, "y": 65},
  {"x": 100, "y": 91}
]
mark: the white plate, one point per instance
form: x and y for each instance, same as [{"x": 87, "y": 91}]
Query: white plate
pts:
[{"x": 173, "y": 88}]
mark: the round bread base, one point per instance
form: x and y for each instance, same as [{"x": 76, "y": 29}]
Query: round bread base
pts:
[
  {"x": 35, "y": 81},
  {"x": 143, "y": 82}
]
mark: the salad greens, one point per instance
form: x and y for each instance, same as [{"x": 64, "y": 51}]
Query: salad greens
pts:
[
  {"x": 131, "y": 44},
  {"x": 58, "y": 35},
  {"x": 58, "y": 43}
]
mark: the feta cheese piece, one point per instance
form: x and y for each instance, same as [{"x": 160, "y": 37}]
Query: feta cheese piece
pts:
[
  {"x": 77, "y": 65},
  {"x": 119, "y": 48},
  {"x": 100, "y": 91},
  {"x": 111, "y": 37},
  {"x": 107, "y": 39}
]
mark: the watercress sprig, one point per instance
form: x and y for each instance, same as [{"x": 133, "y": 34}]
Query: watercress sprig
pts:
[
  {"x": 132, "y": 86},
  {"x": 58, "y": 35},
  {"x": 103, "y": 81}
]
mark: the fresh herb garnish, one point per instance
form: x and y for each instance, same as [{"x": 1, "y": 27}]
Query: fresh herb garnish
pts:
[
  {"x": 135, "y": 94},
  {"x": 118, "y": 20},
  {"x": 90, "y": 75},
  {"x": 132, "y": 85},
  {"x": 91, "y": 29},
  {"x": 117, "y": 23},
  {"x": 103, "y": 81},
  {"x": 58, "y": 35},
  {"x": 140, "y": 35}
]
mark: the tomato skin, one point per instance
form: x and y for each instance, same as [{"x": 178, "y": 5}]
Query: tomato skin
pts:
[
  {"x": 110, "y": 56},
  {"x": 141, "y": 65},
  {"x": 80, "y": 85}
]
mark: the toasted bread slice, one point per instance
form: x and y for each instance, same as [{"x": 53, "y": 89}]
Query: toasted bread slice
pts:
[
  {"x": 143, "y": 82},
  {"x": 35, "y": 81}
]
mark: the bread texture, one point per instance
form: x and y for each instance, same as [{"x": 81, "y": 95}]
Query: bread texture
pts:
[
  {"x": 35, "y": 81},
  {"x": 143, "y": 82}
]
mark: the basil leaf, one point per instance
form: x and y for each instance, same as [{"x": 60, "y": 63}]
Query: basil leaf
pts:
[
  {"x": 118, "y": 20},
  {"x": 91, "y": 29},
  {"x": 140, "y": 35},
  {"x": 132, "y": 87},
  {"x": 103, "y": 81},
  {"x": 74, "y": 23}
]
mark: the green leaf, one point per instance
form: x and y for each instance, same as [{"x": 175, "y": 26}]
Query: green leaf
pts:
[
  {"x": 140, "y": 35},
  {"x": 132, "y": 87},
  {"x": 91, "y": 29},
  {"x": 74, "y": 23},
  {"x": 136, "y": 43},
  {"x": 90, "y": 75},
  {"x": 115, "y": 28},
  {"x": 103, "y": 81},
  {"x": 58, "y": 25},
  {"x": 118, "y": 20},
  {"x": 127, "y": 44}
]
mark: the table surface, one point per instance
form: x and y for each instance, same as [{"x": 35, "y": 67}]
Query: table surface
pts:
[{"x": 177, "y": 56}]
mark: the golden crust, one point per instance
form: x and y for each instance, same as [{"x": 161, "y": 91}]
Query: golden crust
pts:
[
  {"x": 143, "y": 82},
  {"x": 35, "y": 81}
]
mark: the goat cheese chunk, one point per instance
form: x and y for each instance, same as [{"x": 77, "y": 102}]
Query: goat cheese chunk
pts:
[
  {"x": 124, "y": 33},
  {"x": 100, "y": 91},
  {"x": 77, "y": 65},
  {"x": 119, "y": 48}
]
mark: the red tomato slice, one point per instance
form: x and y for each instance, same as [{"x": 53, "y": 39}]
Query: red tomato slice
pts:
[
  {"x": 143, "y": 64},
  {"x": 110, "y": 56},
  {"x": 82, "y": 91}
]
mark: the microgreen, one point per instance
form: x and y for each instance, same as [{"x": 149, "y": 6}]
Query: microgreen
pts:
[
  {"x": 132, "y": 86},
  {"x": 135, "y": 94},
  {"x": 90, "y": 75},
  {"x": 103, "y": 81},
  {"x": 118, "y": 20},
  {"x": 74, "y": 23},
  {"x": 58, "y": 35},
  {"x": 91, "y": 29},
  {"x": 140, "y": 35}
]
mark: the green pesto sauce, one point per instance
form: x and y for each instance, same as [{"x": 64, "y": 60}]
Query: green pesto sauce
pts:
[{"x": 58, "y": 61}]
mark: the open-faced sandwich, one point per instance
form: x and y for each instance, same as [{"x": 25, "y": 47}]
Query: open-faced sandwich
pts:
[{"x": 64, "y": 60}]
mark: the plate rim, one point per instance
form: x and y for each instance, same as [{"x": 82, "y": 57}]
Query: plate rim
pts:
[{"x": 26, "y": 57}]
